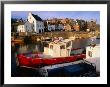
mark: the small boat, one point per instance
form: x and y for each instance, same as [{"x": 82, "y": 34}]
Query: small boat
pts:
[{"x": 17, "y": 41}]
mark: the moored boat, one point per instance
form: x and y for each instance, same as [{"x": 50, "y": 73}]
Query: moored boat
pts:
[
  {"x": 35, "y": 60},
  {"x": 56, "y": 53}
]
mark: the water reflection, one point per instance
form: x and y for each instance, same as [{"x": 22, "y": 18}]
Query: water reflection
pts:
[
  {"x": 39, "y": 46},
  {"x": 79, "y": 43}
]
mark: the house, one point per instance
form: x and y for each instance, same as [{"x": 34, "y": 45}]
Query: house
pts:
[
  {"x": 14, "y": 25},
  {"x": 51, "y": 27},
  {"x": 50, "y": 24},
  {"x": 21, "y": 28},
  {"x": 91, "y": 25},
  {"x": 36, "y": 23},
  {"x": 63, "y": 21},
  {"x": 45, "y": 26},
  {"x": 82, "y": 24},
  {"x": 61, "y": 27},
  {"x": 33, "y": 24},
  {"x": 67, "y": 27},
  {"x": 76, "y": 27}
]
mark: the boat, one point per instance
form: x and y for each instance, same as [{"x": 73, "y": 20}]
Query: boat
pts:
[
  {"x": 17, "y": 40},
  {"x": 35, "y": 61},
  {"x": 79, "y": 68},
  {"x": 57, "y": 52}
]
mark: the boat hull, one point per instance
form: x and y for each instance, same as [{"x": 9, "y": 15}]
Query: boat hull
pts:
[{"x": 23, "y": 60}]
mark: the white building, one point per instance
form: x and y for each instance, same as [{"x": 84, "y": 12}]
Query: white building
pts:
[
  {"x": 21, "y": 28},
  {"x": 61, "y": 27},
  {"x": 33, "y": 24},
  {"x": 59, "y": 48},
  {"x": 51, "y": 27},
  {"x": 93, "y": 51}
]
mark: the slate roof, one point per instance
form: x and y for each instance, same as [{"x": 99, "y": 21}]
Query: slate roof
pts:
[{"x": 37, "y": 17}]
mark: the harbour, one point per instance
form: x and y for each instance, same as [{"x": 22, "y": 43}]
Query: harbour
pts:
[
  {"x": 39, "y": 47},
  {"x": 54, "y": 47}
]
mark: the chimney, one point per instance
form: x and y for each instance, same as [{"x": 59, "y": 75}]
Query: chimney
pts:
[{"x": 30, "y": 13}]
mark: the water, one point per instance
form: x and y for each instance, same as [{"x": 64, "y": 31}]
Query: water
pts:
[{"x": 15, "y": 49}]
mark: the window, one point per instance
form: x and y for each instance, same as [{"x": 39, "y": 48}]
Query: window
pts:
[
  {"x": 33, "y": 26},
  {"x": 51, "y": 46},
  {"x": 62, "y": 47},
  {"x": 39, "y": 31},
  {"x": 68, "y": 44},
  {"x": 33, "y": 21},
  {"x": 90, "y": 53}
]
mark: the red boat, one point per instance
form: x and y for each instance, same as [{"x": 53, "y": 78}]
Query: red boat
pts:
[
  {"x": 50, "y": 55},
  {"x": 34, "y": 61}
]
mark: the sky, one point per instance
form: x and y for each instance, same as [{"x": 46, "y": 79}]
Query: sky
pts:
[{"x": 86, "y": 15}]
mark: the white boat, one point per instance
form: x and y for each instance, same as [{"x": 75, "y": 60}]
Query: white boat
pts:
[{"x": 59, "y": 48}]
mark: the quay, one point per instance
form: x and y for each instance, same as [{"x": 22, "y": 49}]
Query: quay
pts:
[{"x": 66, "y": 35}]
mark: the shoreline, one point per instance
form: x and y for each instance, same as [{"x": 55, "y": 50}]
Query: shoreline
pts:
[{"x": 65, "y": 35}]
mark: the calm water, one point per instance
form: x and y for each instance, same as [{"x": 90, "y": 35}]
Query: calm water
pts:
[{"x": 15, "y": 49}]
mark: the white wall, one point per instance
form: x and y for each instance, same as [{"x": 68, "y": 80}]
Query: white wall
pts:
[
  {"x": 39, "y": 26},
  {"x": 56, "y": 50},
  {"x": 21, "y": 28},
  {"x": 95, "y": 52},
  {"x": 63, "y": 52},
  {"x": 51, "y": 27},
  {"x": 31, "y": 19}
]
